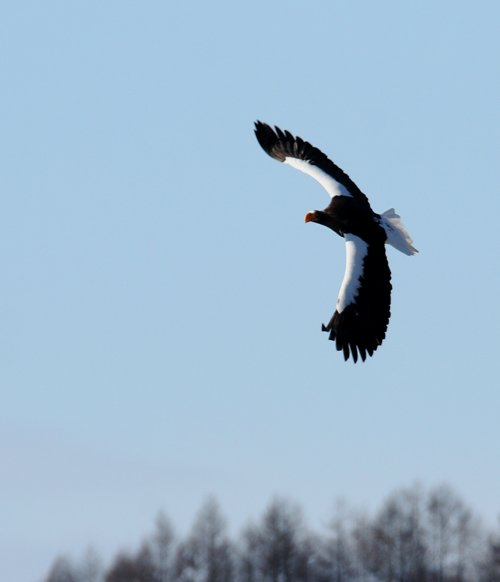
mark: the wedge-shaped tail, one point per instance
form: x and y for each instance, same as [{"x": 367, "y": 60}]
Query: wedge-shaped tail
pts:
[{"x": 397, "y": 235}]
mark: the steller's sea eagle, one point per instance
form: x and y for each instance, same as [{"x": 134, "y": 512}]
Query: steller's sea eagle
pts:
[{"x": 362, "y": 311}]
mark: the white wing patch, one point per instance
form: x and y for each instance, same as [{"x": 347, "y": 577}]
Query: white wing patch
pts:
[
  {"x": 333, "y": 187},
  {"x": 356, "y": 250}
]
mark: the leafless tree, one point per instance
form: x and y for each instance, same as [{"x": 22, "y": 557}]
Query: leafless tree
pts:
[
  {"x": 249, "y": 555},
  {"x": 442, "y": 506},
  {"x": 123, "y": 569},
  {"x": 455, "y": 538},
  {"x": 163, "y": 549},
  {"x": 62, "y": 570},
  {"x": 491, "y": 567},
  {"x": 279, "y": 535},
  {"x": 138, "y": 568},
  {"x": 392, "y": 547},
  {"x": 278, "y": 550},
  {"x": 207, "y": 554},
  {"x": 91, "y": 567},
  {"x": 414, "y": 537},
  {"x": 338, "y": 552}
]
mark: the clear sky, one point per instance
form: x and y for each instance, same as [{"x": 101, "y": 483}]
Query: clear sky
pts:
[{"x": 162, "y": 297}]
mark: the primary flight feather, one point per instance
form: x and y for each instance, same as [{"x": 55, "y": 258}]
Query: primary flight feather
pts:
[{"x": 362, "y": 311}]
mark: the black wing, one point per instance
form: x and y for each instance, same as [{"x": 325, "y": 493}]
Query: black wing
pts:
[
  {"x": 363, "y": 307},
  {"x": 300, "y": 154}
]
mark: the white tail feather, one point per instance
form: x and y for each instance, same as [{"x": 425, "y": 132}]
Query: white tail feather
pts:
[{"x": 397, "y": 235}]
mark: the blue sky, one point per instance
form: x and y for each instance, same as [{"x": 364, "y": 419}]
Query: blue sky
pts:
[{"x": 162, "y": 297}]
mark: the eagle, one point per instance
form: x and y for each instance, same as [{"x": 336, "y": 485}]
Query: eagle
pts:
[{"x": 359, "y": 323}]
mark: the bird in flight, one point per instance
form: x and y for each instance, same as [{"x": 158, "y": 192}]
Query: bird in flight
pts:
[{"x": 362, "y": 310}]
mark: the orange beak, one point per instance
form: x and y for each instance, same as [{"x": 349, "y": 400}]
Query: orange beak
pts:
[{"x": 309, "y": 217}]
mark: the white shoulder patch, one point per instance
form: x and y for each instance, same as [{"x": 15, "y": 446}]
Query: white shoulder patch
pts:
[
  {"x": 356, "y": 250},
  {"x": 333, "y": 187}
]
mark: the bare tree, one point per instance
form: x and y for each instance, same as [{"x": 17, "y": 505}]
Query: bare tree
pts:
[
  {"x": 392, "y": 547},
  {"x": 455, "y": 539},
  {"x": 279, "y": 550},
  {"x": 470, "y": 546},
  {"x": 123, "y": 569},
  {"x": 491, "y": 567},
  {"x": 249, "y": 555},
  {"x": 338, "y": 552},
  {"x": 138, "y": 568},
  {"x": 62, "y": 570},
  {"x": 413, "y": 538},
  {"x": 279, "y": 540},
  {"x": 163, "y": 549},
  {"x": 91, "y": 568},
  {"x": 207, "y": 555},
  {"x": 442, "y": 506}
]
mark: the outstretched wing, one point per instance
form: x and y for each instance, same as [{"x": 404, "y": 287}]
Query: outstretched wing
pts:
[
  {"x": 363, "y": 305},
  {"x": 300, "y": 154}
]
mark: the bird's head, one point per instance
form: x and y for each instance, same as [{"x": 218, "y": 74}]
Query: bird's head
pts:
[
  {"x": 317, "y": 216},
  {"x": 328, "y": 219}
]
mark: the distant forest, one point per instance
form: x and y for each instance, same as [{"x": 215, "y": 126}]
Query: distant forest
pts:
[{"x": 415, "y": 536}]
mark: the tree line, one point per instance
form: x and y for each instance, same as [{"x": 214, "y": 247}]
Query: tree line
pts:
[{"x": 415, "y": 536}]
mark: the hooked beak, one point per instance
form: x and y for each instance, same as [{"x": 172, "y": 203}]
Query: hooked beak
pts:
[{"x": 310, "y": 216}]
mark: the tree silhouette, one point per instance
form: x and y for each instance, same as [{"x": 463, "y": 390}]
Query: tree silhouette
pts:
[
  {"x": 393, "y": 547},
  {"x": 139, "y": 568},
  {"x": 278, "y": 550},
  {"x": 491, "y": 571},
  {"x": 414, "y": 537},
  {"x": 62, "y": 570},
  {"x": 338, "y": 557},
  {"x": 207, "y": 555},
  {"x": 455, "y": 540}
]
